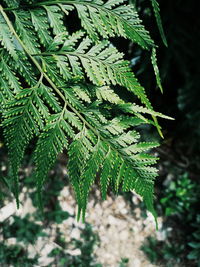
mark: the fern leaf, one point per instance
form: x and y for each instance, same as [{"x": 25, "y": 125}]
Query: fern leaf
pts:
[
  {"x": 156, "y": 70},
  {"x": 86, "y": 21},
  {"x": 6, "y": 38},
  {"x": 6, "y": 93},
  {"x": 140, "y": 147},
  {"x": 63, "y": 66},
  {"x": 12, "y": 4},
  {"x": 52, "y": 71},
  {"x": 57, "y": 41},
  {"x": 89, "y": 174},
  {"x": 156, "y": 10},
  {"x": 49, "y": 97},
  {"x": 19, "y": 130},
  {"x": 55, "y": 19},
  {"x": 108, "y": 20},
  {"x": 132, "y": 108},
  {"x": 107, "y": 94},
  {"x": 9, "y": 76},
  {"x": 106, "y": 172},
  {"x": 102, "y": 64},
  {"x": 40, "y": 24},
  {"x": 112, "y": 3},
  {"x": 72, "y": 40},
  {"x": 82, "y": 94},
  {"x": 72, "y": 99},
  {"x": 26, "y": 31},
  {"x": 25, "y": 69},
  {"x": 51, "y": 142},
  {"x": 78, "y": 154}
]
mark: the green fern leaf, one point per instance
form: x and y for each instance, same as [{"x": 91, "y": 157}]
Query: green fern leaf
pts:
[
  {"x": 40, "y": 23},
  {"x": 78, "y": 154},
  {"x": 55, "y": 19},
  {"x": 108, "y": 20},
  {"x": 26, "y": 31},
  {"x": 156, "y": 10},
  {"x": 51, "y": 142},
  {"x": 9, "y": 76},
  {"x": 6, "y": 38},
  {"x": 23, "y": 66},
  {"x": 89, "y": 173},
  {"x": 156, "y": 70},
  {"x": 19, "y": 130},
  {"x": 106, "y": 172}
]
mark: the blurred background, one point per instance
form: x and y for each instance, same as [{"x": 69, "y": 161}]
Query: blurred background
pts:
[{"x": 119, "y": 231}]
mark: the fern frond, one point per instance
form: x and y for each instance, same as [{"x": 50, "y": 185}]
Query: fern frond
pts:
[
  {"x": 106, "y": 172},
  {"x": 24, "y": 116},
  {"x": 12, "y": 4},
  {"x": 135, "y": 109},
  {"x": 9, "y": 75},
  {"x": 109, "y": 19},
  {"x": 50, "y": 143},
  {"x": 24, "y": 68},
  {"x": 19, "y": 129},
  {"x": 6, "y": 38},
  {"x": 102, "y": 63},
  {"x": 48, "y": 96},
  {"x": 79, "y": 153},
  {"x": 156, "y": 70},
  {"x": 60, "y": 89},
  {"x": 82, "y": 94},
  {"x": 6, "y": 93},
  {"x": 40, "y": 23},
  {"x": 55, "y": 19},
  {"x": 52, "y": 70},
  {"x": 107, "y": 94},
  {"x": 26, "y": 31},
  {"x": 89, "y": 173},
  {"x": 156, "y": 10}
]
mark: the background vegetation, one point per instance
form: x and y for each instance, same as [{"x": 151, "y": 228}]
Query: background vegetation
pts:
[{"x": 178, "y": 187}]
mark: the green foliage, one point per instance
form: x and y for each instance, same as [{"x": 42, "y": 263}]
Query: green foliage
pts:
[
  {"x": 179, "y": 196},
  {"x": 195, "y": 242},
  {"x": 180, "y": 206},
  {"x": 23, "y": 229},
  {"x": 124, "y": 262},
  {"x": 59, "y": 87},
  {"x": 15, "y": 255},
  {"x": 158, "y": 252},
  {"x": 85, "y": 244},
  {"x": 156, "y": 10}
]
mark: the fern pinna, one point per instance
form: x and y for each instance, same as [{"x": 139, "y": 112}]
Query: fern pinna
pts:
[{"x": 60, "y": 87}]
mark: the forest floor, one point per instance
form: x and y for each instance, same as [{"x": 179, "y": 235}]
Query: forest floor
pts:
[{"x": 121, "y": 229}]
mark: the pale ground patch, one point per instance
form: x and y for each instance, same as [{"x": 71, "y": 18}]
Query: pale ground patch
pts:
[{"x": 120, "y": 229}]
